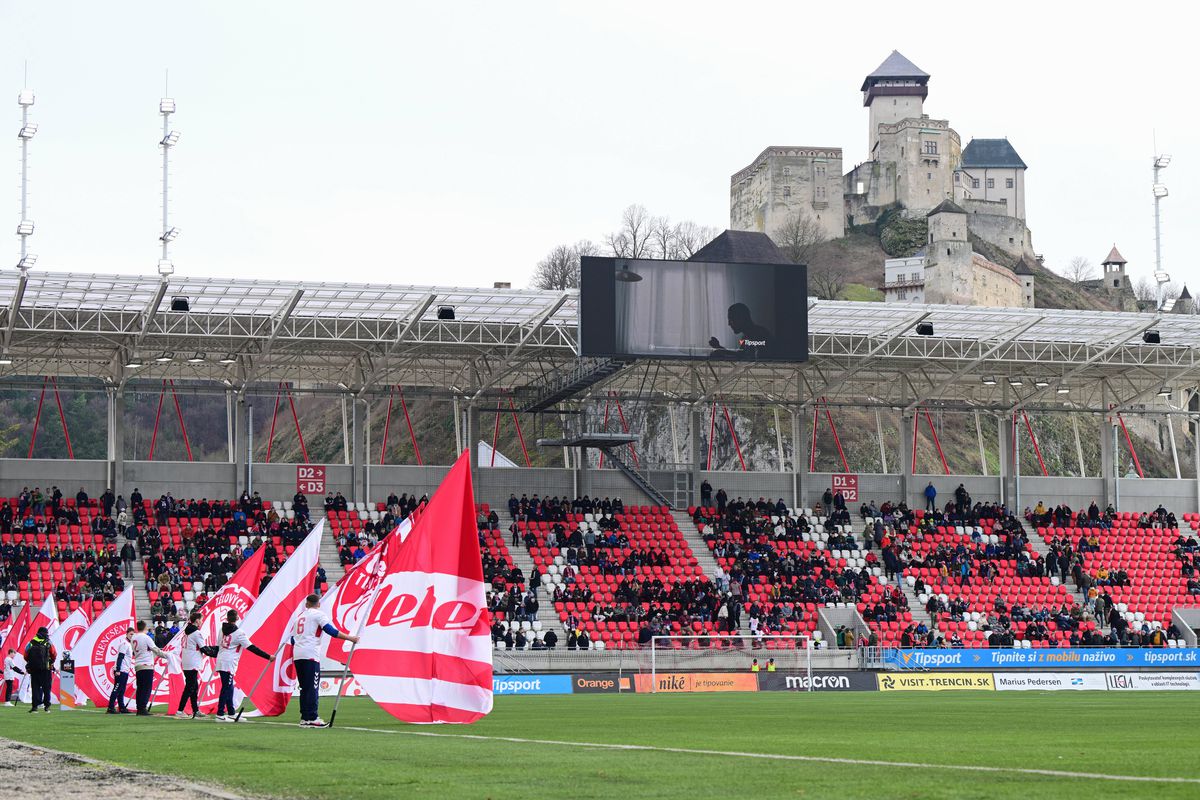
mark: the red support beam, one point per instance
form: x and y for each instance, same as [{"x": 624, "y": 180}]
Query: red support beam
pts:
[
  {"x": 520, "y": 436},
  {"x": 411, "y": 435},
  {"x": 37, "y": 418},
  {"x": 387, "y": 426},
  {"x": 63, "y": 418},
  {"x": 496, "y": 433},
  {"x": 624, "y": 426},
  {"x": 1129, "y": 441},
  {"x": 157, "y": 417},
  {"x": 296, "y": 419},
  {"x": 187, "y": 444},
  {"x": 812, "y": 446},
  {"x": 1036, "y": 450},
  {"x": 837, "y": 440},
  {"x": 936, "y": 443},
  {"x": 274, "y": 417},
  {"x": 736, "y": 445}
]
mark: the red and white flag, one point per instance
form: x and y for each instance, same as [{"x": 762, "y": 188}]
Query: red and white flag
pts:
[
  {"x": 346, "y": 602},
  {"x": 96, "y": 650},
  {"x": 269, "y": 625},
  {"x": 425, "y": 653},
  {"x": 16, "y": 633},
  {"x": 46, "y": 617},
  {"x": 238, "y": 594}
]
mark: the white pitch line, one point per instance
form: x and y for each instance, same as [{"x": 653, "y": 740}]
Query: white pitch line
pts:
[{"x": 1053, "y": 773}]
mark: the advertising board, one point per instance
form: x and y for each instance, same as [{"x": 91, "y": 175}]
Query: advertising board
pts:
[
  {"x": 942, "y": 682},
  {"x": 1048, "y": 681},
  {"x": 1044, "y": 658}
]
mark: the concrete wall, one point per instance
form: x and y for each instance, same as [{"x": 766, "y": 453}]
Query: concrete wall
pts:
[
  {"x": 1075, "y": 492},
  {"x": 1144, "y": 494},
  {"x": 18, "y": 473}
]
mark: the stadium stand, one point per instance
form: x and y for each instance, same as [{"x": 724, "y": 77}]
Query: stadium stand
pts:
[{"x": 617, "y": 575}]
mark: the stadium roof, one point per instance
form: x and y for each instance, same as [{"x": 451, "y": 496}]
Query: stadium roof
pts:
[{"x": 363, "y": 338}]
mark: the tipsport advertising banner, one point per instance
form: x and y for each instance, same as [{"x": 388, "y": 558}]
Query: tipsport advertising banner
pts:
[{"x": 1043, "y": 658}]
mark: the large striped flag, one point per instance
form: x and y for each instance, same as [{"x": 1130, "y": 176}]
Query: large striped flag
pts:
[
  {"x": 268, "y": 624},
  {"x": 238, "y": 594},
  {"x": 347, "y": 600},
  {"x": 16, "y": 633},
  {"x": 425, "y": 653},
  {"x": 46, "y": 617},
  {"x": 96, "y": 650}
]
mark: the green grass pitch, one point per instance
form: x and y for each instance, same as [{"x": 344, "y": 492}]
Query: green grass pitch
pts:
[{"x": 1128, "y": 734}]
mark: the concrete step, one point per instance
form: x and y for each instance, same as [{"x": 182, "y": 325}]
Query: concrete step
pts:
[{"x": 547, "y": 615}]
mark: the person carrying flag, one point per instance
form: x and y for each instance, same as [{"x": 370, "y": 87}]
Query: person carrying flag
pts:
[
  {"x": 40, "y": 656},
  {"x": 193, "y": 646},
  {"x": 233, "y": 641},
  {"x": 144, "y": 653},
  {"x": 11, "y": 672},
  {"x": 306, "y": 655},
  {"x": 116, "y": 700}
]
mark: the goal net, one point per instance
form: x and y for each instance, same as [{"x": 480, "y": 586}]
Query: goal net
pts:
[{"x": 675, "y": 655}]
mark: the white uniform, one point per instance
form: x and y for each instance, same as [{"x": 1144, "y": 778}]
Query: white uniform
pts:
[
  {"x": 10, "y": 668},
  {"x": 192, "y": 657},
  {"x": 306, "y": 636},
  {"x": 143, "y": 651},
  {"x": 124, "y": 648},
  {"x": 231, "y": 650}
]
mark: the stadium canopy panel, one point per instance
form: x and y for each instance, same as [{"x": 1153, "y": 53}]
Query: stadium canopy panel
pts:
[{"x": 362, "y": 338}]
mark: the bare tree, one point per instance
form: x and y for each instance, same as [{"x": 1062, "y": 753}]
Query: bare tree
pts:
[
  {"x": 1146, "y": 290},
  {"x": 1079, "y": 270},
  {"x": 690, "y": 237},
  {"x": 800, "y": 234},
  {"x": 633, "y": 239},
  {"x": 662, "y": 237},
  {"x": 826, "y": 281},
  {"x": 560, "y": 268}
]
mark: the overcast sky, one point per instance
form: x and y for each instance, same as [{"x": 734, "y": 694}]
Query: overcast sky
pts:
[{"x": 456, "y": 143}]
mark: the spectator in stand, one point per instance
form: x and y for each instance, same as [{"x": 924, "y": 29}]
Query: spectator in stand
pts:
[
  {"x": 930, "y": 497},
  {"x": 706, "y": 494}
]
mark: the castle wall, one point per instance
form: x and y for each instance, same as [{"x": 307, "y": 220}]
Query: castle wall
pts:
[
  {"x": 783, "y": 181},
  {"x": 925, "y": 154},
  {"x": 1013, "y": 197},
  {"x": 994, "y": 285},
  {"x": 1005, "y": 232}
]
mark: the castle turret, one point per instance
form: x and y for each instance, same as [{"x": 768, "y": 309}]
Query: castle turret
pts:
[
  {"x": 896, "y": 90},
  {"x": 1184, "y": 304},
  {"x": 1024, "y": 272},
  {"x": 1114, "y": 271},
  {"x": 948, "y": 256}
]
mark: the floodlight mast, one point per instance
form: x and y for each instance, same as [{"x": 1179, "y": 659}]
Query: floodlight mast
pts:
[
  {"x": 166, "y": 107},
  {"x": 1160, "y": 191},
  {"x": 25, "y": 228}
]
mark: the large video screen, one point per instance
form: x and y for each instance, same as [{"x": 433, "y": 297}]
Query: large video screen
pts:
[{"x": 693, "y": 309}]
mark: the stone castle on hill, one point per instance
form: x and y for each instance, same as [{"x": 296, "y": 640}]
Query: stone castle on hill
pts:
[{"x": 919, "y": 167}]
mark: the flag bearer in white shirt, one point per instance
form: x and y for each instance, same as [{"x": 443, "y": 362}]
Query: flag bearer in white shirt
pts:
[{"x": 306, "y": 656}]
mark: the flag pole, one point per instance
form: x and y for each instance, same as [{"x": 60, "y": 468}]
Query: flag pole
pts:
[
  {"x": 257, "y": 681},
  {"x": 353, "y": 645}
]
